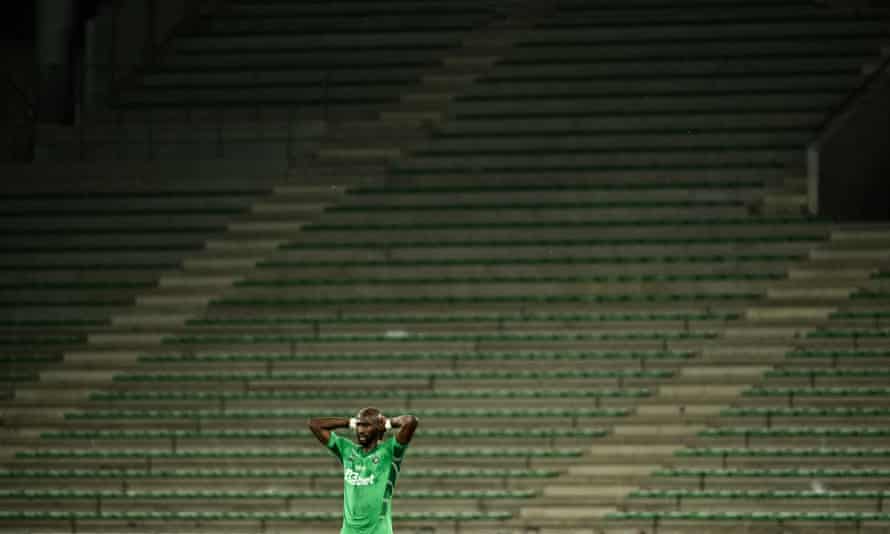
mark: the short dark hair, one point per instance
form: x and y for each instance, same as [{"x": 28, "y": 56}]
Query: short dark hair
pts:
[{"x": 368, "y": 412}]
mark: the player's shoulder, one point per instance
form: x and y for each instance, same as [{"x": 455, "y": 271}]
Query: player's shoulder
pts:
[{"x": 338, "y": 441}]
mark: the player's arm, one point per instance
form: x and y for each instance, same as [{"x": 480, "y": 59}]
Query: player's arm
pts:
[
  {"x": 406, "y": 424},
  {"x": 322, "y": 426}
]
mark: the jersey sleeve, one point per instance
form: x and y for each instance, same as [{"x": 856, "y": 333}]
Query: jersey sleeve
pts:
[
  {"x": 398, "y": 452},
  {"x": 337, "y": 445}
]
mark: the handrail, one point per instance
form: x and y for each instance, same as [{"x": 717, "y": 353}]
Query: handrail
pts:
[{"x": 850, "y": 100}]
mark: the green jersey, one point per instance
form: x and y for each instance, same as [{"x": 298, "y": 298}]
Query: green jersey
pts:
[{"x": 368, "y": 482}]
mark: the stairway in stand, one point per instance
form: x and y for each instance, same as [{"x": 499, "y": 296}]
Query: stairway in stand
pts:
[{"x": 575, "y": 248}]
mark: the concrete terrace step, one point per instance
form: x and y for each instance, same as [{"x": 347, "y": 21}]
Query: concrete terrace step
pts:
[
  {"x": 270, "y": 270},
  {"x": 606, "y": 233},
  {"x": 879, "y": 233},
  {"x": 269, "y": 75},
  {"x": 542, "y": 193},
  {"x": 571, "y": 69},
  {"x": 373, "y": 39},
  {"x": 676, "y": 101},
  {"x": 322, "y": 9},
  {"x": 609, "y": 83},
  {"x": 532, "y": 250},
  {"x": 241, "y": 24},
  {"x": 531, "y": 123},
  {"x": 636, "y": 30},
  {"x": 517, "y": 141},
  {"x": 401, "y": 61},
  {"x": 826, "y": 44},
  {"x": 257, "y": 96},
  {"x": 728, "y": 210},
  {"x": 574, "y": 15}
]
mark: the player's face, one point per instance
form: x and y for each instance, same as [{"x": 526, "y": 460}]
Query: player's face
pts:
[{"x": 368, "y": 429}]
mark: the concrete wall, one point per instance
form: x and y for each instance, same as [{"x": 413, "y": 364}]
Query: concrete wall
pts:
[
  {"x": 856, "y": 3},
  {"x": 125, "y": 36},
  {"x": 849, "y": 162},
  {"x": 17, "y": 88}
]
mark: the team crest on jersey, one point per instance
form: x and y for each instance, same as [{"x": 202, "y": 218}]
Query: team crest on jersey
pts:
[{"x": 376, "y": 460}]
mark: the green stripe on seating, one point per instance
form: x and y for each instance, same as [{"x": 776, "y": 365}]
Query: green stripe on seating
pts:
[
  {"x": 822, "y": 452},
  {"x": 137, "y": 230},
  {"x": 218, "y": 494},
  {"x": 592, "y": 299},
  {"x": 238, "y": 516},
  {"x": 875, "y": 314},
  {"x": 838, "y": 354},
  {"x": 119, "y": 247},
  {"x": 304, "y": 413},
  {"x": 870, "y": 295},
  {"x": 315, "y": 66},
  {"x": 824, "y": 373},
  {"x": 679, "y": 91},
  {"x": 582, "y": 133},
  {"x": 636, "y": 113},
  {"x": 750, "y": 516},
  {"x": 543, "y": 187},
  {"x": 537, "y": 205},
  {"x": 78, "y": 303},
  {"x": 109, "y": 211},
  {"x": 308, "y": 453},
  {"x": 702, "y": 53},
  {"x": 576, "y": 336},
  {"x": 640, "y": 223},
  {"x": 775, "y": 473},
  {"x": 757, "y": 494},
  {"x": 117, "y": 435},
  {"x": 568, "y": 260},
  {"x": 110, "y": 284},
  {"x": 527, "y": 169},
  {"x": 697, "y": 20},
  {"x": 805, "y": 412},
  {"x": 593, "y": 95},
  {"x": 221, "y": 103},
  {"x": 703, "y": 41},
  {"x": 601, "y": 279},
  {"x": 300, "y": 474},
  {"x": 390, "y": 375},
  {"x": 847, "y": 334},
  {"x": 388, "y": 394},
  {"x": 18, "y": 377},
  {"x": 41, "y": 340},
  {"x": 474, "y": 318},
  {"x": 555, "y": 242},
  {"x": 89, "y": 267},
  {"x": 817, "y": 392},
  {"x": 121, "y": 195},
  {"x": 29, "y": 358},
  {"x": 53, "y": 323},
  {"x": 797, "y": 432},
  {"x": 424, "y": 356}
]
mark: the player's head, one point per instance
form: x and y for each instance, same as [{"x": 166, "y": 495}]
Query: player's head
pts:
[{"x": 370, "y": 426}]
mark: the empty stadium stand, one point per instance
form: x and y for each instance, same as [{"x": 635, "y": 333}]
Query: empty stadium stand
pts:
[{"x": 569, "y": 236}]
